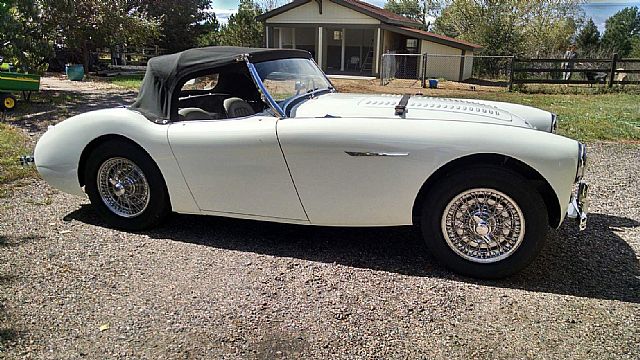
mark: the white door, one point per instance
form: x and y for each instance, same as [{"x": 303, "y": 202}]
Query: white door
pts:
[
  {"x": 340, "y": 184},
  {"x": 236, "y": 166}
]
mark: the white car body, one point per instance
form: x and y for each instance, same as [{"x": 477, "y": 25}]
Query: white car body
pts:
[
  {"x": 262, "y": 134},
  {"x": 236, "y": 167}
]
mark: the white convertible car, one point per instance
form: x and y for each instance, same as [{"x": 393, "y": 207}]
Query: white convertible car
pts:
[{"x": 262, "y": 134}]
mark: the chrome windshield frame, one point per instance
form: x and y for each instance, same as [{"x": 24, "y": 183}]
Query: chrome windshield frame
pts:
[{"x": 263, "y": 90}]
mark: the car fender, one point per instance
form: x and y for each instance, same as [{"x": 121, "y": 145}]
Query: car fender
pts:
[
  {"x": 59, "y": 150},
  {"x": 340, "y": 189}
]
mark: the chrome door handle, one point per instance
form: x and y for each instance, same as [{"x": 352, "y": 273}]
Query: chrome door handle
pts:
[{"x": 372, "y": 153}]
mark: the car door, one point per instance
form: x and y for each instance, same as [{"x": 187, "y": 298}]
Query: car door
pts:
[
  {"x": 236, "y": 166},
  {"x": 354, "y": 171}
]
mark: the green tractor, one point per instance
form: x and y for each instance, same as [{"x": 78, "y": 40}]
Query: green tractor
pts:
[{"x": 11, "y": 82}]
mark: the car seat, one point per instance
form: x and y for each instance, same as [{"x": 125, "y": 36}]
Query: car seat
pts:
[{"x": 236, "y": 107}]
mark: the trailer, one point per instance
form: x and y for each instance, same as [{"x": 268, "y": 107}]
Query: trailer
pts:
[{"x": 12, "y": 82}]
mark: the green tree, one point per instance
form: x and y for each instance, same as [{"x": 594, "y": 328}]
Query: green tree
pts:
[
  {"x": 82, "y": 26},
  {"x": 182, "y": 22},
  {"x": 211, "y": 32},
  {"x": 23, "y": 41},
  {"x": 494, "y": 25},
  {"x": 242, "y": 28},
  {"x": 408, "y": 8},
  {"x": 635, "y": 47},
  {"x": 512, "y": 27},
  {"x": 418, "y": 10},
  {"x": 620, "y": 30},
  {"x": 268, "y": 5},
  {"x": 588, "y": 40}
]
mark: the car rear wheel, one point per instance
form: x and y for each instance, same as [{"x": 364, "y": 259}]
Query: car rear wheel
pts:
[
  {"x": 484, "y": 222},
  {"x": 125, "y": 186}
]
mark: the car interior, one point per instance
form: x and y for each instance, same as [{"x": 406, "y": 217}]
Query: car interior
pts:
[{"x": 223, "y": 93}]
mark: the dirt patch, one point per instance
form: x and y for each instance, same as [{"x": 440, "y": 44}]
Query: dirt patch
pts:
[
  {"x": 209, "y": 287},
  {"x": 60, "y": 98}
]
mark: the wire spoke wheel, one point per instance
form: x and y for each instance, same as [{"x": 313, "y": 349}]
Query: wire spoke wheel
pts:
[
  {"x": 483, "y": 225},
  {"x": 123, "y": 187}
]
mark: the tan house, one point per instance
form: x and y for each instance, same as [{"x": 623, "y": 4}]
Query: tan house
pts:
[{"x": 350, "y": 36}]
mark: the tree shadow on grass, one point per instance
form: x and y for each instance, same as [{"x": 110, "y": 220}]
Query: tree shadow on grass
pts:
[
  {"x": 49, "y": 107},
  {"x": 486, "y": 82},
  {"x": 596, "y": 263}
]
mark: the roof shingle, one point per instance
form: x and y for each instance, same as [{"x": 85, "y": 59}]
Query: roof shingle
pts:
[
  {"x": 382, "y": 12},
  {"x": 441, "y": 37}
]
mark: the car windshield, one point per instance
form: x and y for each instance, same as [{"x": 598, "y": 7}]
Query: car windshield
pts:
[{"x": 285, "y": 79}]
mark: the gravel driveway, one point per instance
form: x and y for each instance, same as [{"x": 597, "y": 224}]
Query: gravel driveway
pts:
[{"x": 206, "y": 287}]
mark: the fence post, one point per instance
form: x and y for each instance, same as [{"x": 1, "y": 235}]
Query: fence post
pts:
[
  {"x": 513, "y": 59},
  {"x": 381, "y": 68},
  {"x": 424, "y": 71},
  {"x": 613, "y": 69}
]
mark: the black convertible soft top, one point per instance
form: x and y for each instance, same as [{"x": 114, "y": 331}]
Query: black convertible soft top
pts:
[{"x": 165, "y": 72}]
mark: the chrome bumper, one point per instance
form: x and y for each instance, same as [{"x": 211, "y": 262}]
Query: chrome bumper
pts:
[{"x": 579, "y": 205}]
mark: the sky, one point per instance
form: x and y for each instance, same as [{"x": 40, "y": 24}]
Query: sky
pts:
[
  {"x": 224, "y": 8},
  {"x": 599, "y": 10}
]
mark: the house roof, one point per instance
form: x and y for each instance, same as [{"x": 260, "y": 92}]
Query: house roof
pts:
[
  {"x": 393, "y": 21},
  {"x": 427, "y": 35},
  {"x": 381, "y": 14},
  {"x": 373, "y": 11}
]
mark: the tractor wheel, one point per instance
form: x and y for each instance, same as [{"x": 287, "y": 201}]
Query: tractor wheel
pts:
[{"x": 8, "y": 102}]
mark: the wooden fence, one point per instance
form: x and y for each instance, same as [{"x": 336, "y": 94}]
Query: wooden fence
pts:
[
  {"x": 584, "y": 71},
  {"x": 124, "y": 56}
]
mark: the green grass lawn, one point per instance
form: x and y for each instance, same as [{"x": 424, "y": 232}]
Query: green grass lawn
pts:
[
  {"x": 130, "y": 82},
  {"x": 13, "y": 144},
  {"x": 584, "y": 117}
]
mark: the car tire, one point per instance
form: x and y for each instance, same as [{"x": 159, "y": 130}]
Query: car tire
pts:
[
  {"x": 484, "y": 222},
  {"x": 125, "y": 186}
]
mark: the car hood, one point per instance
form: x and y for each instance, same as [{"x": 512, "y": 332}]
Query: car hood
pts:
[{"x": 423, "y": 108}]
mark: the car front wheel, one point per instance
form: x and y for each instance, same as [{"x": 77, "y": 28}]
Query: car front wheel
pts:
[
  {"x": 125, "y": 186},
  {"x": 484, "y": 222}
]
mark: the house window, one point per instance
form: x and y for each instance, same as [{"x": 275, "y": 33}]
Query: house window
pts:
[
  {"x": 337, "y": 35},
  {"x": 412, "y": 44}
]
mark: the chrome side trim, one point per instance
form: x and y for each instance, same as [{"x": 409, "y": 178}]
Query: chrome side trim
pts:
[{"x": 371, "y": 153}]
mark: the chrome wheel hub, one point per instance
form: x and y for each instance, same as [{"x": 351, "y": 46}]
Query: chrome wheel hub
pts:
[
  {"x": 483, "y": 225},
  {"x": 119, "y": 189},
  {"x": 123, "y": 187}
]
